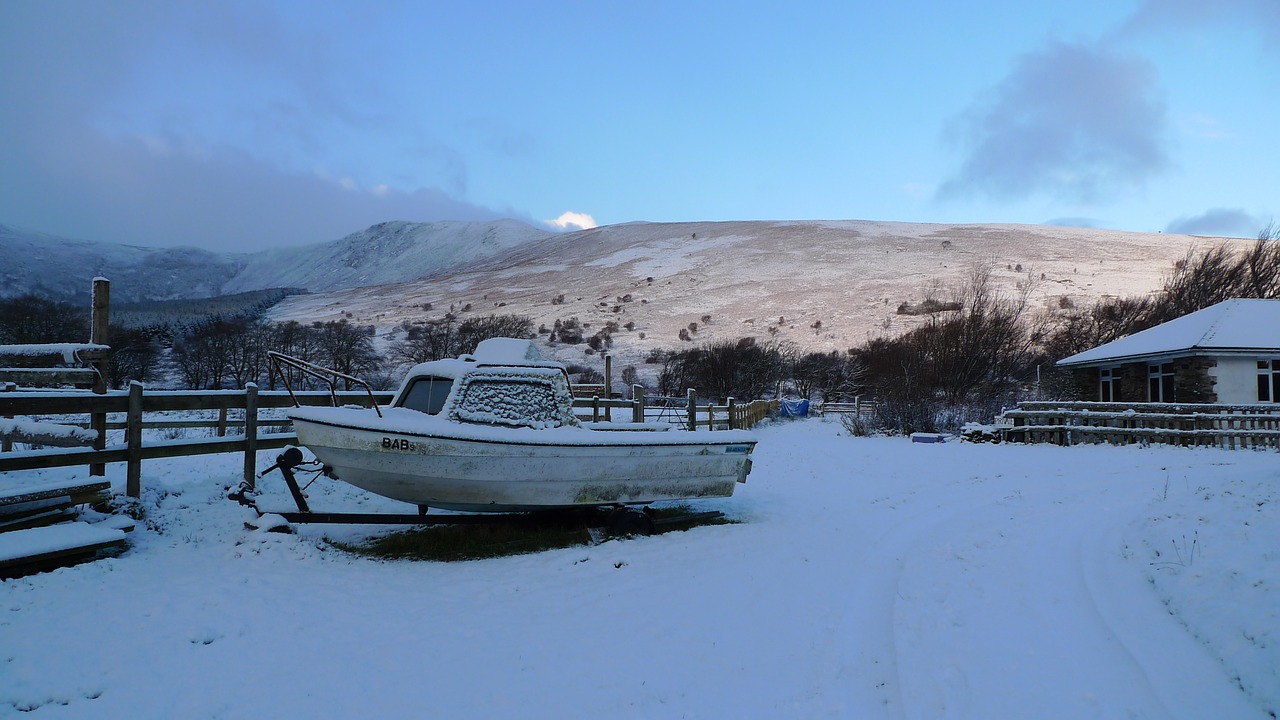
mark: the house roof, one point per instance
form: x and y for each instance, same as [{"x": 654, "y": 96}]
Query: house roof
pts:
[{"x": 1231, "y": 327}]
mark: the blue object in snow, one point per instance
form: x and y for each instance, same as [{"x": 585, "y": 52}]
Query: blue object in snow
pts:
[{"x": 794, "y": 408}]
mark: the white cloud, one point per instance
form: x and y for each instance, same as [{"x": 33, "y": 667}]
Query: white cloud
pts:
[{"x": 570, "y": 220}]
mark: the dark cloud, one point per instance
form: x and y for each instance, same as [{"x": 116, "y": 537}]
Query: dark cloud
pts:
[
  {"x": 1157, "y": 16},
  {"x": 145, "y": 193},
  {"x": 1077, "y": 121},
  {"x": 79, "y": 159},
  {"x": 1218, "y": 222}
]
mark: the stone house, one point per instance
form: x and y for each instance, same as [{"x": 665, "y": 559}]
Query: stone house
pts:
[{"x": 1228, "y": 353}]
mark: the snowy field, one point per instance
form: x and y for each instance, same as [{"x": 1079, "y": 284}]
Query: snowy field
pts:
[{"x": 867, "y": 578}]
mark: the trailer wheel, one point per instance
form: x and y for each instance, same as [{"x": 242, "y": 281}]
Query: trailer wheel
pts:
[{"x": 628, "y": 521}]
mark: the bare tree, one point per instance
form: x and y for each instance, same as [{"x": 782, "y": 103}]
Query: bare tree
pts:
[{"x": 347, "y": 348}]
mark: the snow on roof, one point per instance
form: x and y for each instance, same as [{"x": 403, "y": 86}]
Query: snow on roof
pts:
[
  {"x": 491, "y": 352},
  {"x": 1230, "y": 327},
  {"x": 506, "y": 350}
]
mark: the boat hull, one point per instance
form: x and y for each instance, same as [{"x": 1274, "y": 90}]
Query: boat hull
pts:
[{"x": 529, "y": 470}]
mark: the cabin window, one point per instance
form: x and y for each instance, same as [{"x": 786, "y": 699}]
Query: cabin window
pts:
[
  {"x": 427, "y": 394},
  {"x": 1108, "y": 384},
  {"x": 1269, "y": 381},
  {"x": 1160, "y": 382}
]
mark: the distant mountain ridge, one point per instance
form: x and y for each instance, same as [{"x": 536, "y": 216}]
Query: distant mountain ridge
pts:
[
  {"x": 63, "y": 268},
  {"x": 824, "y": 285}
]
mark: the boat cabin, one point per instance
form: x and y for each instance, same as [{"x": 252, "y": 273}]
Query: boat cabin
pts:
[{"x": 504, "y": 382}]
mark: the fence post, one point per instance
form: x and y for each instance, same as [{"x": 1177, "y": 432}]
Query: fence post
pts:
[
  {"x": 101, "y": 322},
  {"x": 637, "y": 403},
  {"x": 732, "y": 407},
  {"x": 595, "y": 408},
  {"x": 693, "y": 409},
  {"x": 133, "y": 439},
  {"x": 222, "y": 422},
  {"x": 608, "y": 377},
  {"x": 251, "y": 433},
  {"x": 6, "y": 445}
]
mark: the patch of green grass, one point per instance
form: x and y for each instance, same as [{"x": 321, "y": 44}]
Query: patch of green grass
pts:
[{"x": 527, "y": 534}]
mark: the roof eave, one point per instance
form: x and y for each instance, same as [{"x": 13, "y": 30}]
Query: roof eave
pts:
[{"x": 1167, "y": 355}]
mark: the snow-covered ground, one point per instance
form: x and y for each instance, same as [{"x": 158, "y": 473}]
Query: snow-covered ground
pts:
[{"x": 867, "y": 578}]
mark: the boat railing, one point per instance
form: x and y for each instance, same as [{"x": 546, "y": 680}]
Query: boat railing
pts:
[{"x": 327, "y": 375}]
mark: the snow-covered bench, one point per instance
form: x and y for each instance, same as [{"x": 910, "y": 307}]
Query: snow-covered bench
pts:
[{"x": 34, "y": 549}]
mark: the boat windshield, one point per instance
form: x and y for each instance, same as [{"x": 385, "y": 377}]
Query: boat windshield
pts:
[{"x": 427, "y": 394}]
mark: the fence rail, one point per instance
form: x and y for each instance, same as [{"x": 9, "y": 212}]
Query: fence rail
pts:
[
  {"x": 859, "y": 407},
  {"x": 135, "y": 404},
  {"x": 1072, "y": 423}
]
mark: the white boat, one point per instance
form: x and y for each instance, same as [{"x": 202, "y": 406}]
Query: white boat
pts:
[{"x": 494, "y": 431}]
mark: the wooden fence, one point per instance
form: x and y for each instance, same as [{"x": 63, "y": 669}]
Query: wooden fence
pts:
[
  {"x": 1200, "y": 425},
  {"x": 859, "y": 407},
  {"x": 136, "y": 404}
]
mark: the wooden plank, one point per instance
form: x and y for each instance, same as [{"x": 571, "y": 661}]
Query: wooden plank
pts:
[
  {"x": 117, "y": 401},
  {"x": 37, "y": 518},
  {"x": 48, "y": 377},
  {"x": 45, "y": 360},
  {"x": 38, "y": 548},
  {"x": 61, "y": 403},
  {"x": 78, "y": 493},
  {"x": 42, "y": 459},
  {"x": 41, "y": 433},
  {"x": 211, "y": 446}
]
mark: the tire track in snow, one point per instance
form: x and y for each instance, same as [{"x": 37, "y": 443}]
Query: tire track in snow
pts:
[
  {"x": 867, "y": 635},
  {"x": 1050, "y": 632},
  {"x": 1182, "y": 673}
]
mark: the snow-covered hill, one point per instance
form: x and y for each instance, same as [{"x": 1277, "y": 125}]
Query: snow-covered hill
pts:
[
  {"x": 384, "y": 253},
  {"x": 823, "y": 285}
]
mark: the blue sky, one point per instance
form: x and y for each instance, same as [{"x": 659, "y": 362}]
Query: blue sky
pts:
[{"x": 242, "y": 125}]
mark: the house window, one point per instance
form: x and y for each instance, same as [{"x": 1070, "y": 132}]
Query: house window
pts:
[
  {"x": 1108, "y": 384},
  {"x": 1269, "y": 381},
  {"x": 1160, "y": 382}
]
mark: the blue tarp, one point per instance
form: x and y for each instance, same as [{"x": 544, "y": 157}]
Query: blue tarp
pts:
[{"x": 795, "y": 408}]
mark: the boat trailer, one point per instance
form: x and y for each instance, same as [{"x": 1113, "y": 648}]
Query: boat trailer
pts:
[{"x": 620, "y": 520}]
